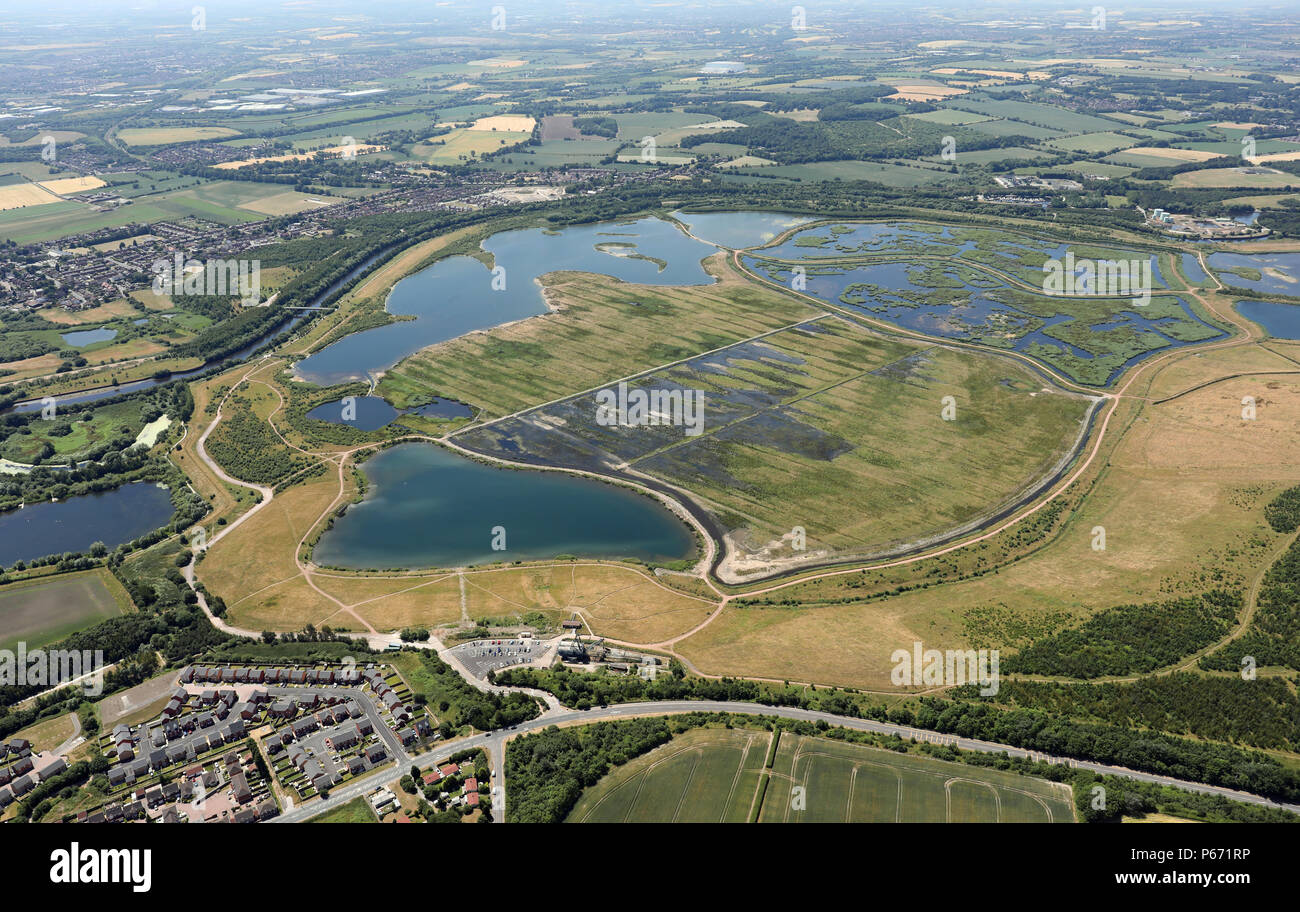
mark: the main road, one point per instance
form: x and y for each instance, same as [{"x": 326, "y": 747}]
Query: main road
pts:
[{"x": 494, "y": 743}]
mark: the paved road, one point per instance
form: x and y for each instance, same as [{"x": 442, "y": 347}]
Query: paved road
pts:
[
  {"x": 74, "y": 739},
  {"x": 494, "y": 741}
]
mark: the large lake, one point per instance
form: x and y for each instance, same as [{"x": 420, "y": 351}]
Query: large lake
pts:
[
  {"x": 739, "y": 229},
  {"x": 113, "y": 517},
  {"x": 1279, "y": 273},
  {"x": 430, "y": 507},
  {"x": 458, "y": 295},
  {"x": 1282, "y": 321}
]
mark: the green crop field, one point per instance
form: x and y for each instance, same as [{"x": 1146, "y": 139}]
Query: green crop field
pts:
[
  {"x": 1006, "y": 153},
  {"x": 1013, "y": 128},
  {"x": 702, "y": 776},
  {"x": 161, "y": 136},
  {"x": 717, "y": 776},
  {"x": 1041, "y": 115},
  {"x": 948, "y": 116},
  {"x": 1093, "y": 142},
  {"x": 881, "y": 172},
  {"x": 852, "y": 783},
  {"x": 43, "y": 611}
]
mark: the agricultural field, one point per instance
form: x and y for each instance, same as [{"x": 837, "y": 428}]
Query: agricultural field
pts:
[
  {"x": 161, "y": 136},
  {"x": 1246, "y": 178},
  {"x": 581, "y": 152},
  {"x": 1052, "y": 118},
  {"x": 359, "y": 150},
  {"x": 36, "y": 214},
  {"x": 1002, "y": 128},
  {"x": 231, "y": 202},
  {"x": 23, "y": 196},
  {"x": 891, "y": 175},
  {"x": 949, "y": 116},
  {"x": 43, "y": 611},
  {"x": 719, "y": 776},
  {"x": 1092, "y": 143},
  {"x": 465, "y": 143},
  {"x": 1159, "y": 157}
]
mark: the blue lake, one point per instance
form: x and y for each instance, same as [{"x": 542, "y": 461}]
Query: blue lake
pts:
[
  {"x": 1192, "y": 269},
  {"x": 369, "y": 413},
  {"x": 366, "y": 413},
  {"x": 87, "y": 336},
  {"x": 860, "y": 238},
  {"x": 443, "y": 408},
  {"x": 1279, "y": 272},
  {"x": 113, "y": 517},
  {"x": 458, "y": 295},
  {"x": 878, "y": 238},
  {"x": 977, "y": 317},
  {"x": 430, "y": 507},
  {"x": 1282, "y": 321},
  {"x": 739, "y": 229}
]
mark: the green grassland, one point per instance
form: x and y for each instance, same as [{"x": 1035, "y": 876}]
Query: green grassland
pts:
[
  {"x": 632, "y": 127},
  {"x": 583, "y": 152},
  {"x": 1093, "y": 142},
  {"x": 355, "y": 811},
  {"x": 1007, "y": 153},
  {"x": 530, "y": 362},
  {"x": 851, "y": 783},
  {"x": 1013, "y": 128},
  {"x": 701, "y": 776},
  {"x": 165, "y": 136},
  {"x": 1138, "y": 160},
  {"x": 44, "y": 611},
  {"x": 833, "y": 428},
  {"x": 1049, "y": 116},
  {"x": 1102, "y": 169},
  {"x": 1252, "y": 178},
  {"x": 949, "y": 116},
  {"x": 119, "y": 419},
  {"x": 862, "y": 417},
  {"x": 890, "y": 175},
  {"x": 718, "y": 776}
]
